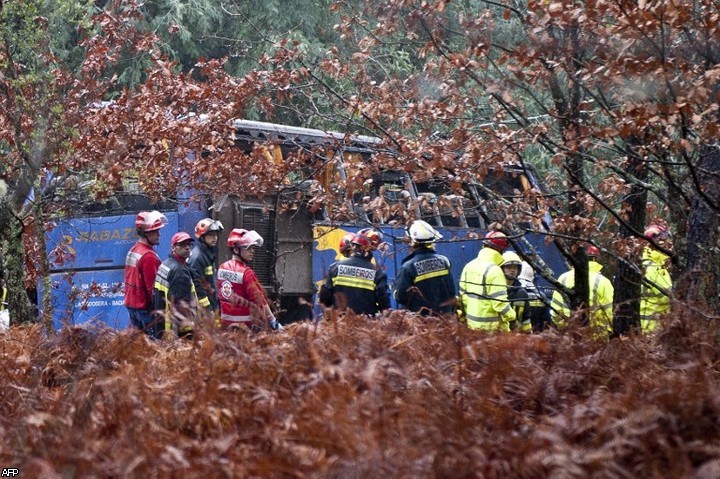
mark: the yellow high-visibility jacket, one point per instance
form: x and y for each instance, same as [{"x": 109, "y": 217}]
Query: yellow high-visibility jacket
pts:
[
  {"x": 601, "y": 299},
  {"x": 483, "y": 293},
  {"x": 653, "y": 301}
]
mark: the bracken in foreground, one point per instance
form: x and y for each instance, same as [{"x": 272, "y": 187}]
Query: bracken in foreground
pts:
[{"x": 401, "y": 396}]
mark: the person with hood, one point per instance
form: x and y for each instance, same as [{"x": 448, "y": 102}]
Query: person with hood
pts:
[
  {"x": 174, "y": 295},
  {"x": 241, "y": 295},
  {"x": 655, "y": 292},
  {"x": 424, "y": 283},
  {"x": 537, "y": 299},
  {"x": 517, "y": 295},
  {"x": 141, "y": 266},
  {"x": 354, "y": 283},
  {"x": 202, "y": 263},
  {"x": 483, "y": 289},
  {"x": 601, "y": 296}
]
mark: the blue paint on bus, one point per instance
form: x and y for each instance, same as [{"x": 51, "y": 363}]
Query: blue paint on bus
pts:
[
  {"x": 88, "y": 267},
  {"x": 459, "y": 245}
]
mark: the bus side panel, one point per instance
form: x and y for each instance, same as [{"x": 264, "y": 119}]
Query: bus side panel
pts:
[
  {"x": 326, "y": 242},
  {"x": 550, "y": 254},
  {"x": 190, "y": 212},
  {"x": 100, "y": 242},
  {"x": 459, "y": 249},
  {"x": 90, "y": 285},
  {"x": 389, "y": 258},
  {"x": 74, "y": 304}
]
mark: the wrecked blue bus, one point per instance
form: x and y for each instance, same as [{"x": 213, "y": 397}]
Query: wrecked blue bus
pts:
[{"x": 300, "y": 242}]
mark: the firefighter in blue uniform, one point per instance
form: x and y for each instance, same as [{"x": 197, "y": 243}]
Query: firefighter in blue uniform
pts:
[
  {"x": 174, "y": 296},
  {"x": 517, "y": 295},
  {"x": 354, "y": 282},
  {"x": 202, "y": 263},
  {"x": 424, "y": 283},
  {"x": 538, "y": 300}
]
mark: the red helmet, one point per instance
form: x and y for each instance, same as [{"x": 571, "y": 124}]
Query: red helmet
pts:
[
  {"x": 346, "y": 244},
  {"x": 367, "y": 239},
  {"x": 150, "y": 221},
  {"x": 240, "y": 238},
  {"x": 207, "y": 225},
  {"x": 180, "y": 237},
  {"x": 656, "y": 232},
  {"x": 496, "y": 240},
  {"x": 592, "y": 251}
]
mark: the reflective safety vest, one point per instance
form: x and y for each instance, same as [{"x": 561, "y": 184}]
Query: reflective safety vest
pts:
[
  {"x": 141, "y": 265},
  {"x": 654, "y": 301},
  {"x": 520, "y": 300},
  {"x": 174, "y": 283},
  {"x": 539, "y": 305},
  {"x": 240, "y": 293},
  {"x": 484, "y": 294},
  {"x": 601, "y": 299}
]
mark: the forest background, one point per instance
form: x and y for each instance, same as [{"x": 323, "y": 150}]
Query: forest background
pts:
[{"x": 616, "y": 103}]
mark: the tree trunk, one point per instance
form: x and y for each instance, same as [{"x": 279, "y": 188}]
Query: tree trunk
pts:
[
  {"x": 580, "y": 299},
  {"x": 627, "y": 279},
  {"x": 14, "y": 255},
  {"x": 699, "y": 285}
]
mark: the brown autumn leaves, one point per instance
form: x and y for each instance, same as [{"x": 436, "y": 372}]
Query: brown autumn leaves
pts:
[{"x": 401, "y": 396}]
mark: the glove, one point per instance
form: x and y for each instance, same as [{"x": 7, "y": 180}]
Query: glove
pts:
[{"x": 275, "y": 325}]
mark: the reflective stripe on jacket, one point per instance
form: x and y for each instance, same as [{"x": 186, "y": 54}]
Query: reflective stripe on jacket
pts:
[
  {"x": 355, "y": 283},
  {"x": 173, "y": 284},
  {"x": 141, "y": 266},
  {"x": 520, "y": 300},
  {"x": 601, "y": 298},
  {"x": 202, "y": 263},
  {"x": 424, "y": 283},
  {"x": 239, "y": 293},
  {"x": 483, "y": 293},
  {"x": 653, "y": 301}
]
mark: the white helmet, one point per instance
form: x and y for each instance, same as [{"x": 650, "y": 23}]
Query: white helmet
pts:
[
  {"x": 421, "y": 232},
  {"x": 527, "y": 274},
  {"x": 242, "y": 238},
  {"x": 147, "y": 221}
]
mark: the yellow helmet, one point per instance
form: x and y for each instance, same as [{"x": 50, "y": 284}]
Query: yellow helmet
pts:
[{"x": 511, "y": 258}]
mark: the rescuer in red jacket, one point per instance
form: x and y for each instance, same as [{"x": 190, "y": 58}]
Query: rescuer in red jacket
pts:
[
  {"x": 241, "y": 296},
  {"x": 141, "y": 265}
]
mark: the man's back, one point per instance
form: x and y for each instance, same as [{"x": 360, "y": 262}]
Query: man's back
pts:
[
  {"x": 483, "y": 292},
  {"x": 356, "y": 284},
  {"x": 424, "y": 283},
  {"x": 601, "y": 298}
]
